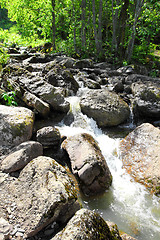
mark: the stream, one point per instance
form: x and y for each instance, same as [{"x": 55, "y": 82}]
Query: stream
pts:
[{"x": 127, "y": 203}]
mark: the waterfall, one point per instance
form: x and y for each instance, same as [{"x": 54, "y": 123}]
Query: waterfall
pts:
[{"x": 127, "y": 203}]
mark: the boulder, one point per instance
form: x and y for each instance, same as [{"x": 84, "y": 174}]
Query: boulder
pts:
[
  {"x": 85, "y": 224},
  {"x": 140, "y": 153},
  {"x": 48, "y": 136},
  {"x": 105, "y": 107},
  {"x": 21, "y": 156},
  {"x": 83, "y": 63},
  {"x": 64, "y": 79},
  {"x": 89, "y": 83},
  {"x": 16, "y": 124},
  {"x": 88, "y": 163},
  {"x": 36, "y": 103},
  {"x": 46, "y": 92},
  {"x": 44, "y": 193},
  {"x": 147, "y": 99}
]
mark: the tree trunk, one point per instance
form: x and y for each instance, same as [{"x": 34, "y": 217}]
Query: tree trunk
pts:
[
  {"x": 100, "y": 26},
  {"x": 97, "y": 34},
  {"x": 53, "y": 25},
  {"x": 94, "y": 24},
  {"x": 114, "y": 25},
  {"x": 130, "y": 47},
  {"x": 83, "y": 18},
  {"x": 122, "y": 28},
  {"x": 74, "y": 28}
]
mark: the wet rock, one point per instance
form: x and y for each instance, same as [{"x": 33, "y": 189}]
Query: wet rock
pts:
[
  {"x": 16, "y": 124},
  {"x": 69, "y": 81},
  {"x": 48, "y": 136},
  {"x": 106, "y": 108},
  {"x": 114, "y": 230},
  {"x": 42, "y": 194},
  {"x": 125, "y": 236},
  {"x": 85, "y": 224},
  {"x": 88, "y": 163},
  {"x": 21, "y": 156},
  {"x": 140, "y": 152}
]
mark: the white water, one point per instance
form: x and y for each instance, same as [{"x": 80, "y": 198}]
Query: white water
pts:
[{"x": 127, "y": 203}]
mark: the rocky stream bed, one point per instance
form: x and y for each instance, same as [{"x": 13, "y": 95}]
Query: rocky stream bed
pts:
[{"x": 45, "y": 173}]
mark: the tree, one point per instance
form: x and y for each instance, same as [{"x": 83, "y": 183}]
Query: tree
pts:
[{"x": 138, "y": 8}]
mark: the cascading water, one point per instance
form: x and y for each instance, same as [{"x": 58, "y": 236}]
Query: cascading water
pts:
[{"x": 127, "y": 203}]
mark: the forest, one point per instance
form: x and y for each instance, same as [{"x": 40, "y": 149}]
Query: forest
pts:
[{"x": 117, "y": 30}]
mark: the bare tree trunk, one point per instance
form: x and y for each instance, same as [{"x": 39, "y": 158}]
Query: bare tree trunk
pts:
[
  {"x": 114, "y": 25},
  {"x": 74, "y": 29},
  {"x": 130, "y": 47},
  {"x": 83, "y": 18},
  {"x": 122, "y": 28},
  {"x": 53, "y": 25},
  {"x": 100, "y": 26},
  {"x": 97, "y": 33},
  {"x": 94, "y": 24}
]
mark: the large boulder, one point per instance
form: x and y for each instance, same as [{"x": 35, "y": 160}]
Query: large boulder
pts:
[
  {"x": 46, "y": 92},
  {"x": 140, "y": 153},
  {"x": 147, "y": 99},
  {"x": 19, "y": 79},
  {"x": 21, "y": 156},
  {"x": 16, "y": 124},
  {"x": 105, "y": 107},
  {"x": 64, "y": 79},
  {"x": 85, "y": 224},
  {"x": 88, "y": 163},
  {"x": 44, "y": 193}
]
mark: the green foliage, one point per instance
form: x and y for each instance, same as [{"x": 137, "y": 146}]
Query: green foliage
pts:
[
  {"x": 34, "y": 19},
  {"x": 9, "y": 98},
  {"x": 3, "y": 56}
]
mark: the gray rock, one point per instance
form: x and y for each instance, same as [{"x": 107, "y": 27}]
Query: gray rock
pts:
[
  {"x": 16, "y": 124},
  {"x": 48, "y": 136},
  {"x": 36, "y": 103},
  {"x": 140, "y": 153},
  {"x": 88, "y": 163},
  {"x": 85, "y": 224},
  {"x": 147, "y": 99},
  {"x": 89, "y": 82},
  {"x": 5, "y": 228},
  {"x": 46, "y": 92},
  {"x": 21, "y": 156},
  {"x": 106, "y": 108},
  {"x": 43, "y": 193},
  {"x": 84, "y": 63}
]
